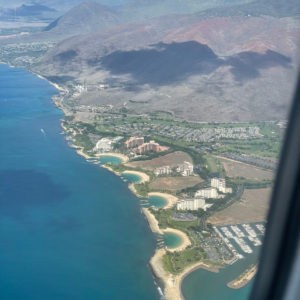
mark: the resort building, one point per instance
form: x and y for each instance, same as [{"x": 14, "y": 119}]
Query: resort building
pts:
[
  {"x": 186, "y": 169},
  {"x": 151, "y": 146},
  {"x": 165, "y": 170},
  {"x": 208, "y": 193},
  {"x": 104, "y": 145},
  {"x": 220, "y": 184},
  {"x": 134, "y": 142},
  {"x": 191, "y": 204}
]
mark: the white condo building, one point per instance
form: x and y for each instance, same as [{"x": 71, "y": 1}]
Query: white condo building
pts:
[
  {"x": 191, "y": 204},
  {"x": 165, "y": 170},
  {"x": 186, "y": 169},
  {"x": 220, "y": 184},
  {"x": 208, "y": 193}
]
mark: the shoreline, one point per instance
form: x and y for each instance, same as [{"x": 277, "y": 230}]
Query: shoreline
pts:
[
  {"x": 172, "y": 283},
  {"x": 153, "y": 223},
  {"x": 171, "y": 200}
]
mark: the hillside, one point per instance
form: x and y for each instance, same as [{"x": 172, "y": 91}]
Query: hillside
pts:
[
  {"x": 275, "y": 8},
  {"x": 220, "y": 65},
  {"x": 84, "y": 18},
  {"x": 186, "y": 65},
  {"x": 143, "y": 9}
]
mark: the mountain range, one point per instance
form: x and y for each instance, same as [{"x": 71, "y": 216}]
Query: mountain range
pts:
[{"x": 217, "y": 64}]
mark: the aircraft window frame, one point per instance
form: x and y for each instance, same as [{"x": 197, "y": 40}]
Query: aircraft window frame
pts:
[{"x": 281, "y": 243}]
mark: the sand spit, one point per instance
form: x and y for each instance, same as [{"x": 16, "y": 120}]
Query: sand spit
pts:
[
  {"x": 243, "y": 279},
  {"x": 153, "y": 223},
  {"x": 172, "y": 283}
]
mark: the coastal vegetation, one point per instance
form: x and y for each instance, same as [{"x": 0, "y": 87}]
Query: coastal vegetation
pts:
[
  {"x": 209, "y": 159},
  {"x": 176, "y": 262},
  {"x": 83, "y": 141}
]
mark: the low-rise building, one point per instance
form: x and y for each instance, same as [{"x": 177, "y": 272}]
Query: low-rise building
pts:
[
  {"x": 186, "y": 169},
  {"x": 165, "y": 170},
  {"x": 134, "y": 142},
  {"x": 191, "y": 204}
]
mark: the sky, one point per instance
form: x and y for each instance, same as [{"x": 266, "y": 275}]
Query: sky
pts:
[{"x": 59, "y": 4}]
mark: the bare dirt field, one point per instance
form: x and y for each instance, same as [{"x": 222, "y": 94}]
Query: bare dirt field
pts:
[
  {"x": 174, "y": 183},
  {"x": 252, "y": 208},
  {"x": 239, "y": 169},
  {"x": 172, "y": 160}
]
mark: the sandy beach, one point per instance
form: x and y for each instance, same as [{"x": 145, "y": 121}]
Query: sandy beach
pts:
[
  {"x": 172, "y": 283},
  {"x": 123, "y": 157},
  {"x": 170, "y": 198},
  {"x": 185, "y": 239},
  {"x": 80, "y": 152},
  {"x": 52, "y": 83},
  {"x": 144, "y": 177},
  {"x": 153, "y": 223}
]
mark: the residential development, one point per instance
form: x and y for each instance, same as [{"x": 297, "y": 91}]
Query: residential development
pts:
[
  {"x": 165, "y": 170},
  {"x": 220, "y": 184},
  {"x": 191, "y": 204},
  {"x": 185, "y": 169},
  {"x": 208, "y": 193}
]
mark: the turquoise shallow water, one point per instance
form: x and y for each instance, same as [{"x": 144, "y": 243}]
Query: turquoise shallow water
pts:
[
  {"x": 110, "y": 159},
  {"x": 68, "y": 229},
  {"x": 132, "y": 178},
  {"x": 157, "y": 201},
  {"x": 205, "y": 285},
  {"x": 172, "y": 240}
]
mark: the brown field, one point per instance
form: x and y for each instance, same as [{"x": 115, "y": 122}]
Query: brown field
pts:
[
  {"x": 238, "y": 169},
  {"x": 252, "y": 208},
  {"x": 172, "y": 160},
  {"x": 174, "y": 183}
]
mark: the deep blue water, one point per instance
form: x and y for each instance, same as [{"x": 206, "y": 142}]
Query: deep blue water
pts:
[{"x": 68, "y": 229}]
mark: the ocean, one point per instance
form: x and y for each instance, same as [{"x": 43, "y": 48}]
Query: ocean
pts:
[{"x": 70, "y": 229}]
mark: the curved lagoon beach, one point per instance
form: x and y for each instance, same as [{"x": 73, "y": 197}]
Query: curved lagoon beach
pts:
[
  {"x": 157, "y": 201},
  {"x": 172, "y": 240},
  {"x": 135, "y": 176},
  {"x": 68, "y": 229},
  {"x": 132, "y": 178},
  {"x": 114, "y": 160}
]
